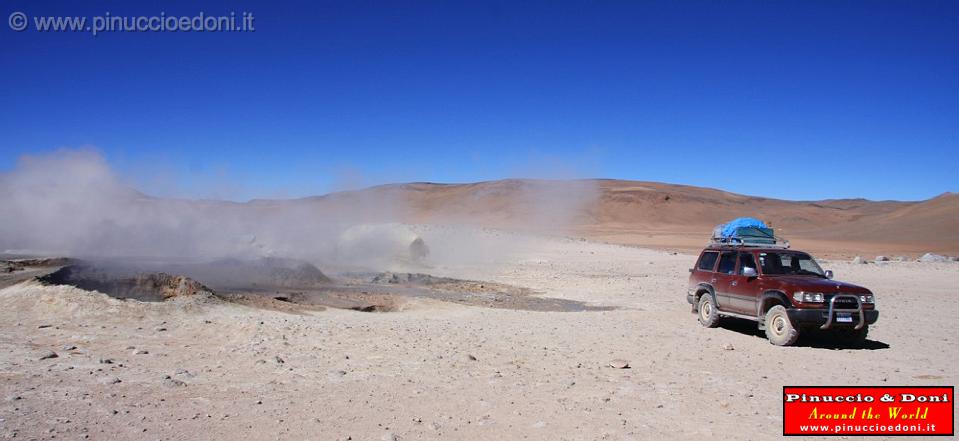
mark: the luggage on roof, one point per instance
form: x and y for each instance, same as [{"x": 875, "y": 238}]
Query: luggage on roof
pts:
[{"x": 746, "y": 231}]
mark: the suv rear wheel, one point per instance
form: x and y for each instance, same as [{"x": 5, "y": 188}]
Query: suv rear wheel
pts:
[
  {"x": 779, "y": 330},
  {"x": 708, "y": 315}
]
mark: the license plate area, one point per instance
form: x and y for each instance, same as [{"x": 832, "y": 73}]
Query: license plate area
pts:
[{"x": 844, "y": 317}]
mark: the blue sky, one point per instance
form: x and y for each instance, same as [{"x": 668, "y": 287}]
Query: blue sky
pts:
[{"x": 797, "y": 100}]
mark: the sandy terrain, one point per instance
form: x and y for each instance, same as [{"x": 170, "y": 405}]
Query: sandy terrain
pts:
[{"x": 201, "y": 368}]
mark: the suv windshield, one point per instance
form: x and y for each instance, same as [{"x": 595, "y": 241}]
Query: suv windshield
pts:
[{"x": 797, "y": 264}]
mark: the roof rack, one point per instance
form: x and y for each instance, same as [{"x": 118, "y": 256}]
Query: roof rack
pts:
[{"x": 753, "y": 242}]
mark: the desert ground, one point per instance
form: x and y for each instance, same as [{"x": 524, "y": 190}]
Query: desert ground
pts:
[{"x": 201, "y": 367}]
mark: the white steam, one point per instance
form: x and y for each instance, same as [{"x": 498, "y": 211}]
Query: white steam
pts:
[{"x": 71, "y": 203}]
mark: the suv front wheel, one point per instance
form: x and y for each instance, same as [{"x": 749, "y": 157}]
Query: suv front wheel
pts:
[
  {"x": 708, "y": 315},
  {"x": 852, "y": 337},
  {"x": 779, "y": 330}
]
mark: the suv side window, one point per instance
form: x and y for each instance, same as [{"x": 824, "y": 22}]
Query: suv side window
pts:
[
  {"x": 727, "y": 263},
  {"x": 746, "y": 260},
  {"x": 708, "y": 261}
]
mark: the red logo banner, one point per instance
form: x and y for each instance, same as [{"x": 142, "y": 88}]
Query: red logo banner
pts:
[{"x": 867, "y": 410}]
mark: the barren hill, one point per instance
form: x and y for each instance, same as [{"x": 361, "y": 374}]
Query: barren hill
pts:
[
  {"x": 671, "y": 216},
  {"x": 114, "y": 221}
]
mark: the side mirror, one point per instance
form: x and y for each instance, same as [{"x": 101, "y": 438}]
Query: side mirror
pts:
[
  {"x": 828, "y": 274},
  {"x": 749, "y": 272}
]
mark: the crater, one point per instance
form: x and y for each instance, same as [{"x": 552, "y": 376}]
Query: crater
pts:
[
  {"x": 146, "y": 287},
  {"x": 298, "y": 287}
]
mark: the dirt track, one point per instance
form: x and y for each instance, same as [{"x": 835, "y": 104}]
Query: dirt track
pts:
[{"x": 441, "y": 370}]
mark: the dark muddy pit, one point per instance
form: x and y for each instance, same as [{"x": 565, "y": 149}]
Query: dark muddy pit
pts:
[
  {"x": 298, "y": 287},
  {"x": 385, "y": 292}
]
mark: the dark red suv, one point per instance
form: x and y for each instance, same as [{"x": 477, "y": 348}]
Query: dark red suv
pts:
[{"x": 784, "y": 290}]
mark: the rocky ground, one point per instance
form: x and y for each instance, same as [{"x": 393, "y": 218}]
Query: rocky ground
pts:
[{"x": 82, "y": 365}]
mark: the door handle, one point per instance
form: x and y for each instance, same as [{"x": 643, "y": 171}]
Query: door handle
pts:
[
  {"x": 734, "y": 283},
  {"x": 713, "y": 281}
]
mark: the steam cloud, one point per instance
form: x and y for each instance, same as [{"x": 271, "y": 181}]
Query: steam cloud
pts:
[{"x": 71, "y": 203}]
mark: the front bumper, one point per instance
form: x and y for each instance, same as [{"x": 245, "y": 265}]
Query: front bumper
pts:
[{"x": 820, "y": 317}]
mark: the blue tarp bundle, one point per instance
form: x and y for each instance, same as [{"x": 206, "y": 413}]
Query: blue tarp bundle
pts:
[
  {"x": 745, "y": 231},
  {"x": 730, "y": 228}
]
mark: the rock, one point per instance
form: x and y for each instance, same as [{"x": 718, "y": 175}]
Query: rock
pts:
[
  {"x": 470, "y": 357},
  {"x": 68, "y": 347},
  {"x": 619, "y": 364},
  {"x": 43, "y": 326},
  {"x": 160, "y": 329},
  {"x": 881, "y": 259},
  {"x": 901, "y": 259},
  {"x": 14, "y": 398},
  {"x": 47, "y": 354},
  {"x": 729, "y": 347},
  {"x": 106, "y": 361},
  {"x": 172, "y": 382},
  {"x": 859, "y": 260},
  {"x": 109, "y": 380},
  {"x": 140, "y": 352},
  {"x": 389, "y": 437},
  {"x": 278, "y": 360},
  {"x": 933, "y": 258}
]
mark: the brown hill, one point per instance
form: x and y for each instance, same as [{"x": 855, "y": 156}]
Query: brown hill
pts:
[{"x": 668, "y": 215}]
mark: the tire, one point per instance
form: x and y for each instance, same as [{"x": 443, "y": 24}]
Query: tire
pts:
[
  {"x": 779, "y": 330},
  {"x": 852, "y": 337},
  {"x": 707, "y": 313}
]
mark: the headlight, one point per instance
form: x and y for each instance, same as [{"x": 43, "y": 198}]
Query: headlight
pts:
[
  {"x": 808, "y": 297},
  {"x": 867, "y": 299}
]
